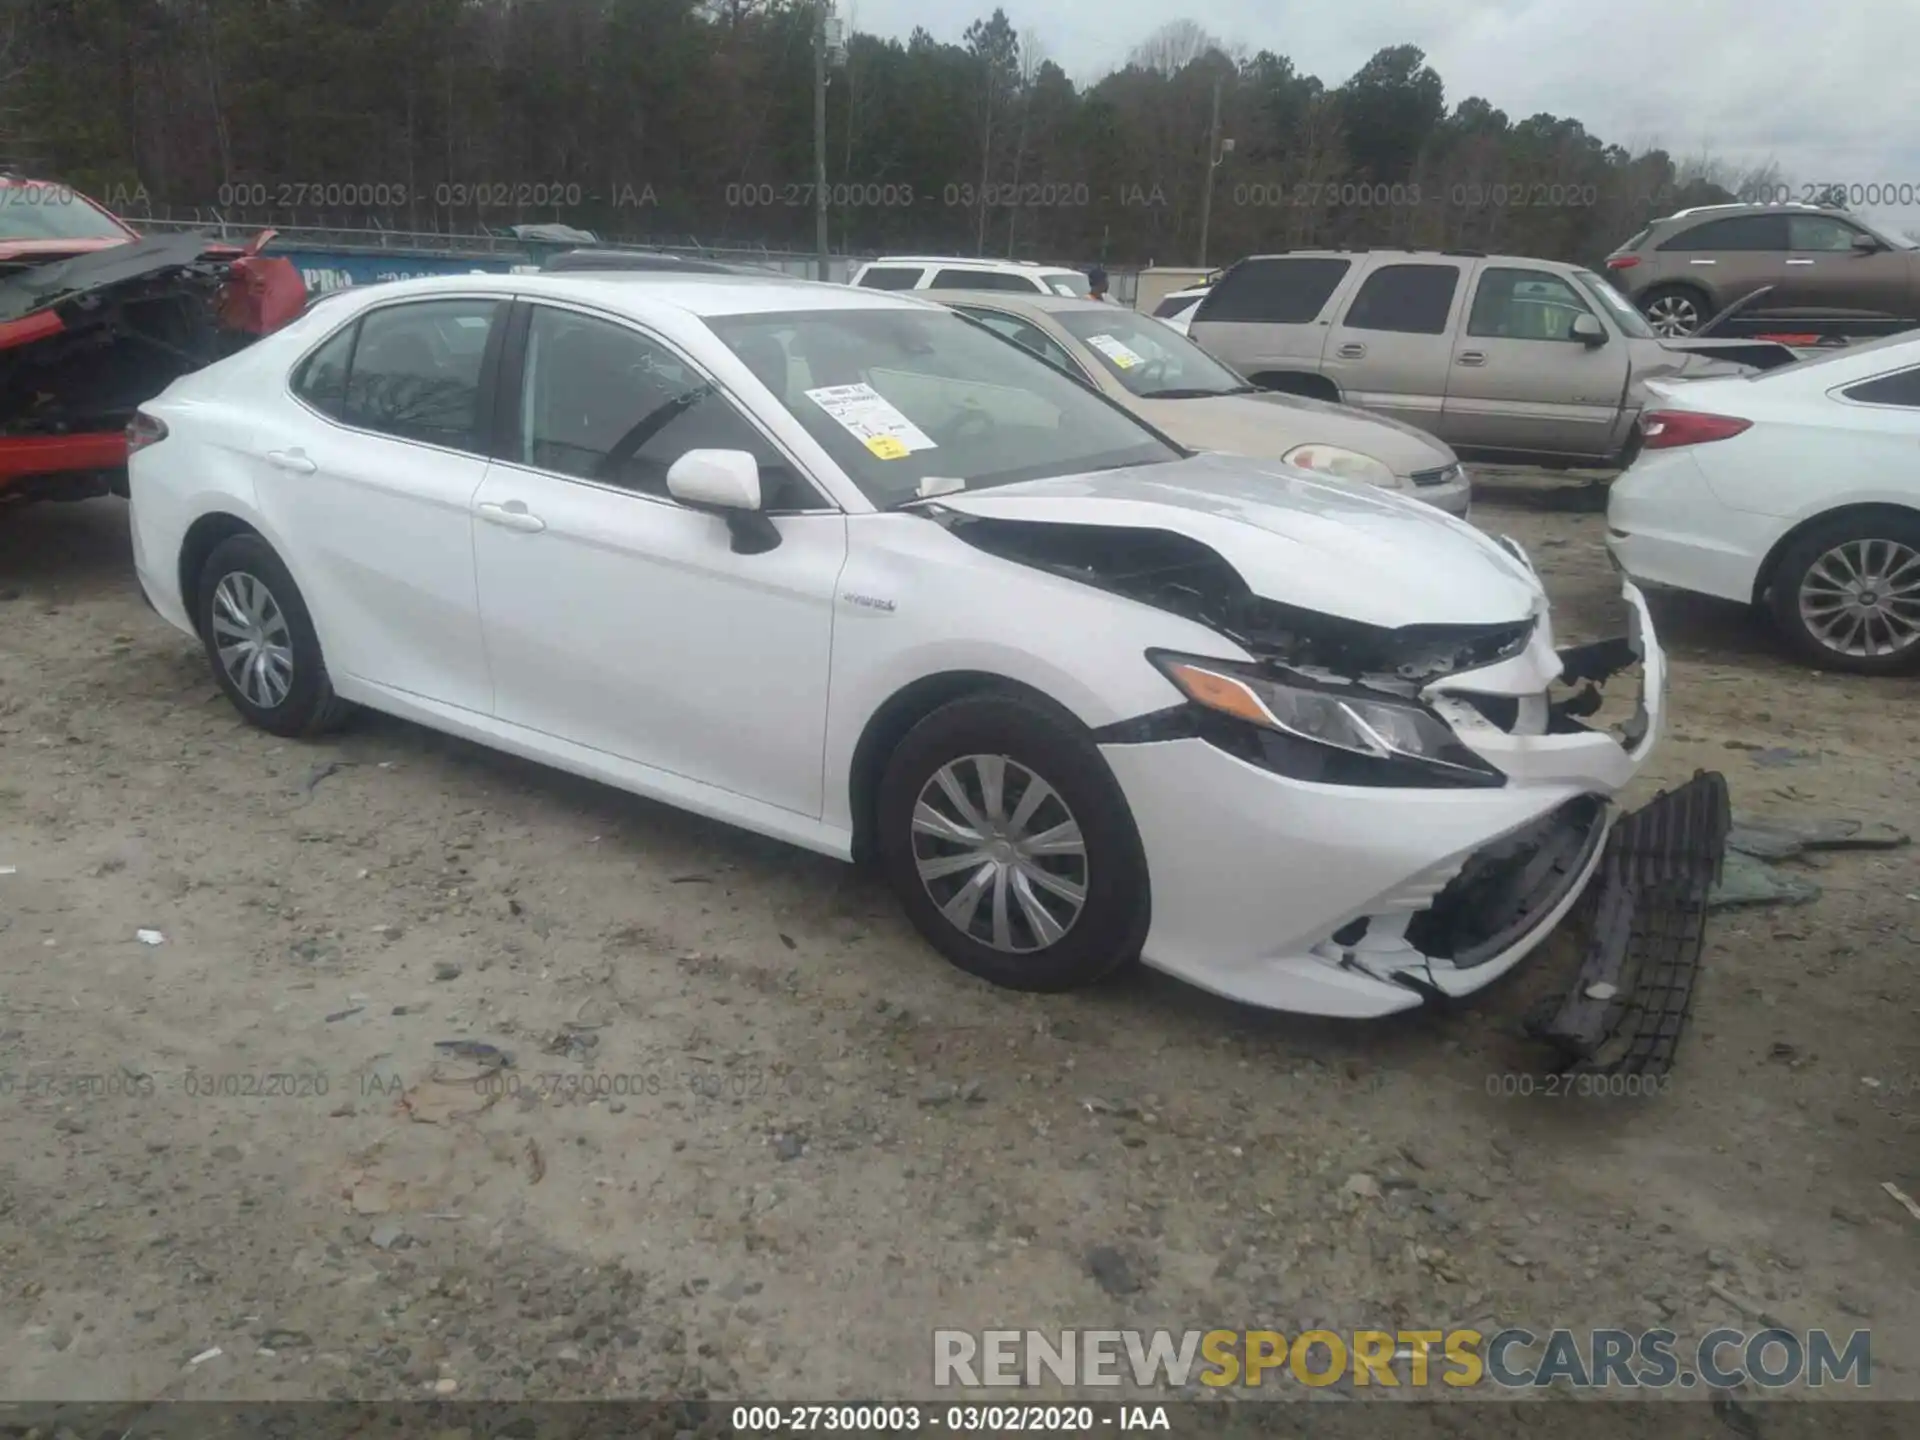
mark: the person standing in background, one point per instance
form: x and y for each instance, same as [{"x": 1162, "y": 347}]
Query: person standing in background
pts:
[{"x": 1097, "y": 283}]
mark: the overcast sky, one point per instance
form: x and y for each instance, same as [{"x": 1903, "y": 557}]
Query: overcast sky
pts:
[{"x": 1745, "y": 80}]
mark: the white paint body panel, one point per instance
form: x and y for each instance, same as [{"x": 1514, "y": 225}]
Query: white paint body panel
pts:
[{"x": 628, "y": 643}]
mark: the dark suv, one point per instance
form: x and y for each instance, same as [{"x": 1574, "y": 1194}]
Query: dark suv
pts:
[{"x": 1828, "y": 272}]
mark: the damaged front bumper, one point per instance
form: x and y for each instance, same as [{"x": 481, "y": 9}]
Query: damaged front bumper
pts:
[{"x": 1357, "y": 902}]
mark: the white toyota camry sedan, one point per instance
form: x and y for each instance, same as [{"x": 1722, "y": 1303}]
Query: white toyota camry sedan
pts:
[{"x": 844, "y": 568}]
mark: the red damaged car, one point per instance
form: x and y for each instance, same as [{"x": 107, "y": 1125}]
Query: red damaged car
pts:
[{"x": 94, "y": 319}]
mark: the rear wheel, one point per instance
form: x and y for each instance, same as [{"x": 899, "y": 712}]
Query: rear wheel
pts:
[
  {"x": 1846, "y": 595},
  {"x": 1675, "y": 310},
  {"x": 1011, "y": 846},
  {"x": 261, "y": 641}
]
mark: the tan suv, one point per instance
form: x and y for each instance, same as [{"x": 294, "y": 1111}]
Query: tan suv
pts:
[
  {"x": 1828, "y": 273},
  {"x": 1502, "y": 357}
]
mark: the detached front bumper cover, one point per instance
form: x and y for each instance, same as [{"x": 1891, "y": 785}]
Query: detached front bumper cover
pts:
[{"x": 1646, "y": 917}]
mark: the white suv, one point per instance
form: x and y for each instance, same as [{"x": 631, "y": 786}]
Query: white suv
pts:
[{"x": 959, "y": 272}]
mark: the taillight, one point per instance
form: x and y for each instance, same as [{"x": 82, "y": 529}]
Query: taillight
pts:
[
  {"x": 1665, "y": 429},
  {"x": 1622, "y": 262},
  {"x": 144, "y": 430}
]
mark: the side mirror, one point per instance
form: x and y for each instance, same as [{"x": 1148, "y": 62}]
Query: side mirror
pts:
[
  {"x": 1588, "y": 330},
  {"x": 726, "y": 482},
  {"x": 1867, "y": 245}
]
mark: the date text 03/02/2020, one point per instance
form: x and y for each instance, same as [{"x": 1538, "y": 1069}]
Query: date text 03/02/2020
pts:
[{"x": 901, "y": 1419}]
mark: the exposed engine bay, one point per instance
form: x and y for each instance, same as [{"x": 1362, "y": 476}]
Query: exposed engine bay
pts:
[{"x": 84, "y": 340}]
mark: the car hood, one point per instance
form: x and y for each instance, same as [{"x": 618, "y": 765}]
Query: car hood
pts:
[
  {"x": 1665, "y": 360},
  {"x": 1295, "y": 537},
  {"x": 1267, "y": 426}
]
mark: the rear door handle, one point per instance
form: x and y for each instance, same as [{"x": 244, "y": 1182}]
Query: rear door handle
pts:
[
  {"x": 511, "y": 516},
  {"x": 1703, "y": 262},
  {"x": 291, "y": 460},
  {"x": 1352, "y": 352},
  {"x": 1470, "y": 357},
  {"x": 1800, "y": 262}
]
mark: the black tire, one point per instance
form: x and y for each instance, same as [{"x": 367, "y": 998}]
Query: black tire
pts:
[
  {"x": 308, "y": 705},
  {"x": 1036, "y": 740},
  {"x": 1799, "y": 558},
  {"x": 1677, "y": 296}
]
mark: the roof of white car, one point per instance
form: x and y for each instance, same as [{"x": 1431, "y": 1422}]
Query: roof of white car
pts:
[
  {"x": 699, "y": 295},
  {"x": 971, "y": 262}
]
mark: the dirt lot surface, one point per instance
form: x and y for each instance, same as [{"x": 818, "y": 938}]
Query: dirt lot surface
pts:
[{"x": 757, "y": 1141}]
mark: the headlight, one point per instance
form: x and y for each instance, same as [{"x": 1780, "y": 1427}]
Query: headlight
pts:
[
  {"x": 1337, "y": 736},
  {"x": 1347, "y": 464}
]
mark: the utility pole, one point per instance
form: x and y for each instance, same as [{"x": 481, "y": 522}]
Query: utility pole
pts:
[
  {"x": 820, "y": 133},
  {"x": 1213, "y": 163}
]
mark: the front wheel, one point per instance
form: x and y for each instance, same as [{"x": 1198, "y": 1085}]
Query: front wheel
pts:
[
  {"x": 1846, "y": 595},
  {"x": 1010, "y": 844}
]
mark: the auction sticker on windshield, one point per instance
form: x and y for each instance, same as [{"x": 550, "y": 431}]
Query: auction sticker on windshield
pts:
[
  {"x": 1116, "y": 351},
  {"x": 870, "y": 418}
]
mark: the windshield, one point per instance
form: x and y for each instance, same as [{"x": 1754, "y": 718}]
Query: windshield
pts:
[
  {"x": 1152, "y": 360},
  {"x": 1066, "y": 282},
  {"x": 902, "y": 397},
  {"x": 53, "y": 212},
  {"x": 1630, "y": 320}
]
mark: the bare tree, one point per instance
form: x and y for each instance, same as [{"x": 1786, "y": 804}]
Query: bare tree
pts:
[{"x": 1173, "y": 47}]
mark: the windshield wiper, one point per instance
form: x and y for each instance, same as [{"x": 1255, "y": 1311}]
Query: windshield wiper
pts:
[{"x": 1191, "y": 393}]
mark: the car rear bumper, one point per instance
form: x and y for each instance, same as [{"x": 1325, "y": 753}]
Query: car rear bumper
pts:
[
  {"x": 1665, "y": 526},
  {"x": 1319, "y": 898}
]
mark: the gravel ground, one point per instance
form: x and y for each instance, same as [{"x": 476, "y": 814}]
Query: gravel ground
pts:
[{"x": 757, "y": 1141}]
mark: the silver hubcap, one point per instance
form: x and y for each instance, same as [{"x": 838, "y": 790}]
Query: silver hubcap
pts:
[
  {"x": 1862, "y": 598},
  {"x": 250, "y": 632},
  {"x": 1673, "y": 315},
  {"x": 1000, "y": 853}
]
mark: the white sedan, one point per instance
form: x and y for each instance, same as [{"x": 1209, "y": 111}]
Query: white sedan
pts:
[
  {"x": 841, "y": 567},
  {"x": 1797, "y": 489}
]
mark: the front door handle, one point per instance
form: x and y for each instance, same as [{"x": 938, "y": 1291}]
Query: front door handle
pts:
[
  {"x": 295, "y": 461},
  {"x": 1352, "y": 352},
  {"x": 1800, "y": 262},
  {"x": 511, "y": 516},
  {"x": 1470, "y": 357}
]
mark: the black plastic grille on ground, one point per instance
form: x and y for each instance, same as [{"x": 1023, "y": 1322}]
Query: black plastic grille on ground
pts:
[{"x": 1647, "y": 918}]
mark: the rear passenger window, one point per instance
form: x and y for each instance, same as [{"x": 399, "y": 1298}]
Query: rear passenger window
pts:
[
  {"x": 321, "y": 380},
  {"x": 1407, "y": 299},
  {"x": 415, "y": 372},
  {"x": 1282, "y": 291},
  {"x": 981, "y": 280},
  {"x": 889, "y": 277},
  {"x": 1902, "y": 389},
  {"x": 1739, "y": 232}
]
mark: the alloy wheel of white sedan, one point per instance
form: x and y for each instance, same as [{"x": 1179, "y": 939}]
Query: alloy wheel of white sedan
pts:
[{"x": 843, "y": 568}]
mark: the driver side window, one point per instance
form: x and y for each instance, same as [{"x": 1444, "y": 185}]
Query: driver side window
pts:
[
  {"x": 608, "y": 404},
  {"x": 1512, "y": 304}
]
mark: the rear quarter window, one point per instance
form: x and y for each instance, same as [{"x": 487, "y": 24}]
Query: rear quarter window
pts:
[
  {"x": 1901, "y": 388},
  {"x": 1285, "y": 290},
  {"x": 890, "y": 277}
]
